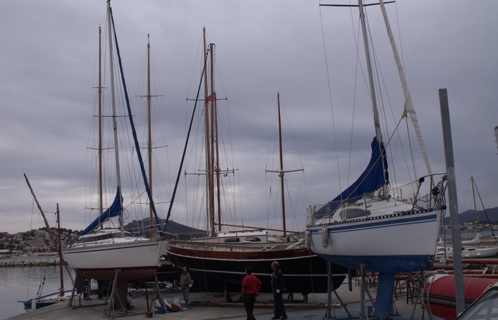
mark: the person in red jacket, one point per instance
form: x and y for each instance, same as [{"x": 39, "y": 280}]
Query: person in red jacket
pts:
[{"x": 250, "y": 287}]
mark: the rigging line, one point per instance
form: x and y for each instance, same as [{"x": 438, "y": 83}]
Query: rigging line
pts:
[
  {"x": 485, "y": 212},
  {"x": 380, "y": 76},
  {"x": 186, "y": 144},
  {"x": 358, "y": 63},
  {"x": 292, "y": 138},
  {"x": 130, "y": 116},
  {"x": 330, "y": 97},
  {"x": 399, "y": 35}
]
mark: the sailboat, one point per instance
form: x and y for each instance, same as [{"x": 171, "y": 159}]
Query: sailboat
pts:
[
  {"x": 372, "y": 225},
  {"x": 470, "y": 248},
  {"x": 56, "y": 297},
  {"x": 218, "y": 261},
  {"x": 113, "y": 253}
]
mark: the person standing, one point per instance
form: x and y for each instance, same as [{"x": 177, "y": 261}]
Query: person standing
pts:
[
  {"x": 185, "y": 280},
  {"x": 277, "y": 286},
  {"x": 250, "y": 287}
]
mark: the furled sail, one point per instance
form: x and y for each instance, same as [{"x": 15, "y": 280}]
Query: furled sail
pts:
[
  {"x": 374, "y": 176},
  {"x": 113, "y": 211}
]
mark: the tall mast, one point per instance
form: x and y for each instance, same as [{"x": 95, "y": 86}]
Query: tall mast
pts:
[
  {"x": 149, "y": 97},
  {"x": 282, "y": 172},
  {"x": 370, "y": 73},
  {"x": 114, "y": 117},
  {"x": 409, "y": 107},
  {"x": 101, "y": 204},
  {"x": 149, "y": 144},
  {"x": 211, "y": 141},
  {"x": 59, "y": 250},
  {"x": 209, "y": 208},
  {"x": 474, "y": 198},
  {"x": 216, "y": 151}
]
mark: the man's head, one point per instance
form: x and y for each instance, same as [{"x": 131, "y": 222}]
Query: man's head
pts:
[
  {"x": 248, "y": 270},
  {"x": 274, "y": 265}
]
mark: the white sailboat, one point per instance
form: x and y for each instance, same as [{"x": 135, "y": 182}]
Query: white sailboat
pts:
[
  {"x": 471, "y": 248},
  {"x": 373, "y": 225},
  {"x": 99, "y": 252}
]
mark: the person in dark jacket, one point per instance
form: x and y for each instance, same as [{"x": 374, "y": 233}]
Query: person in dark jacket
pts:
[
  {"x": 250, "y": 287},
  {"x": 277, "y": 286}
]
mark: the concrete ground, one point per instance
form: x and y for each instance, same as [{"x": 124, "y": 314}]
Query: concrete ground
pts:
[{"x": 207, "y": 306}]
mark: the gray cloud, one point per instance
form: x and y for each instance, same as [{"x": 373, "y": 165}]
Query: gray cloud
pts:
[{"x": 49, "y": 59}]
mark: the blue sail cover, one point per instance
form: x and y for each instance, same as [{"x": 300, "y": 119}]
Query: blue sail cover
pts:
[
  {"x": 370, "y": 180},
  {"x": 113, "y": 211}
]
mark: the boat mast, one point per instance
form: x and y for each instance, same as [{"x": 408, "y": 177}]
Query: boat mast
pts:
[
  {"x": 281, "y": 173},
  {"x": 214, "y": 141},
  {"x": 210, "y": 210},
  {"x": 149, "y": 144},
  {"x": 474, "y": 198},
  {"x": 211, "y": 142},
  {"x": 114, "y": 117},
  {"x": 409, "y": 107},
  {"x": 149, "y": 97},
  {"x": 101, "y": 204},
  {"x": 373, "y": 97},
  {"x": 61, "y": 260}
]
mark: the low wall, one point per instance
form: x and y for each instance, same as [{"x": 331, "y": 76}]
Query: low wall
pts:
[{"x": 29, "y": 263}]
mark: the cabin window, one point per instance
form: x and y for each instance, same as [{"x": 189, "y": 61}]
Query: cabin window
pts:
[
  {"x": 252, "y": 239},
  {"x": 234, "y": 239}
]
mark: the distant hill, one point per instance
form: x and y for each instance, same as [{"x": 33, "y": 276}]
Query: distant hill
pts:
[
  {"x": 470, "y": 215},
  {"x": 173, "y": 228}
]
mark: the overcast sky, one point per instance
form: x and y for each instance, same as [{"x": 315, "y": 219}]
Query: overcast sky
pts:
[{"x": 48, "y": 57}]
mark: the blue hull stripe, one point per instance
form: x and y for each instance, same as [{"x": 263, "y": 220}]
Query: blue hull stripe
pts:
[{"x": 374, "y": 224}]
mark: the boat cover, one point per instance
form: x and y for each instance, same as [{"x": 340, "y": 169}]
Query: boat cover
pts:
[
  {"x": 113, "y": 211},
  {"x": 374, "y": 176}
]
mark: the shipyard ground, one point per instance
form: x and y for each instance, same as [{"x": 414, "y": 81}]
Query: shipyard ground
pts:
[{"x": 212, "y": 306}]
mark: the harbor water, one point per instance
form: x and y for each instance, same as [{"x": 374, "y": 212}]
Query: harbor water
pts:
[{"x": 22, "y": 283}]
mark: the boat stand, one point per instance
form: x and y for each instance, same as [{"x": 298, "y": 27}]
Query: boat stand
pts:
[
  {"x": 383, "y": 306},
  {"x": 330, "y": 313},
  {"x": 111, "y": 306},
  {"x": 77, "y": 285},
  {"x": 364, "y": 290},
  {"x": 156, "y": 295},
  {"x": 73, "y": 294},
  {"x": 418, "y": 292}
]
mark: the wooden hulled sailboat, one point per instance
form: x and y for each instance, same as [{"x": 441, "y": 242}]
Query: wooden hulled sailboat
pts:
[
  {"x": 219, "y": 260},
  {"x": 99, "y": 252}
]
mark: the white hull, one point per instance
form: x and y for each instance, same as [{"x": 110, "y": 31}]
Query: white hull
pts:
[
  {"x": 136, "y": 259},
  {"x": 389, "y": 243},
  {"x": 414, "y": 234}
]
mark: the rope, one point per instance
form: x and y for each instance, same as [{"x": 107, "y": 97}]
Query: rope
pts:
[{"x": 330, "y": 96}]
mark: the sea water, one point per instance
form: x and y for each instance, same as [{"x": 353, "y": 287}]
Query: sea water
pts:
[{"x": 22, "y": 283}]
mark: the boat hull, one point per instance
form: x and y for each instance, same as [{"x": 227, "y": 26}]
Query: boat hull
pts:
[
  {"x": 215, "y": 271},
  {"x": 136, "y": 260},
  {"x": 390, "y": 244},
  {"x": 439, "y": 294}
]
